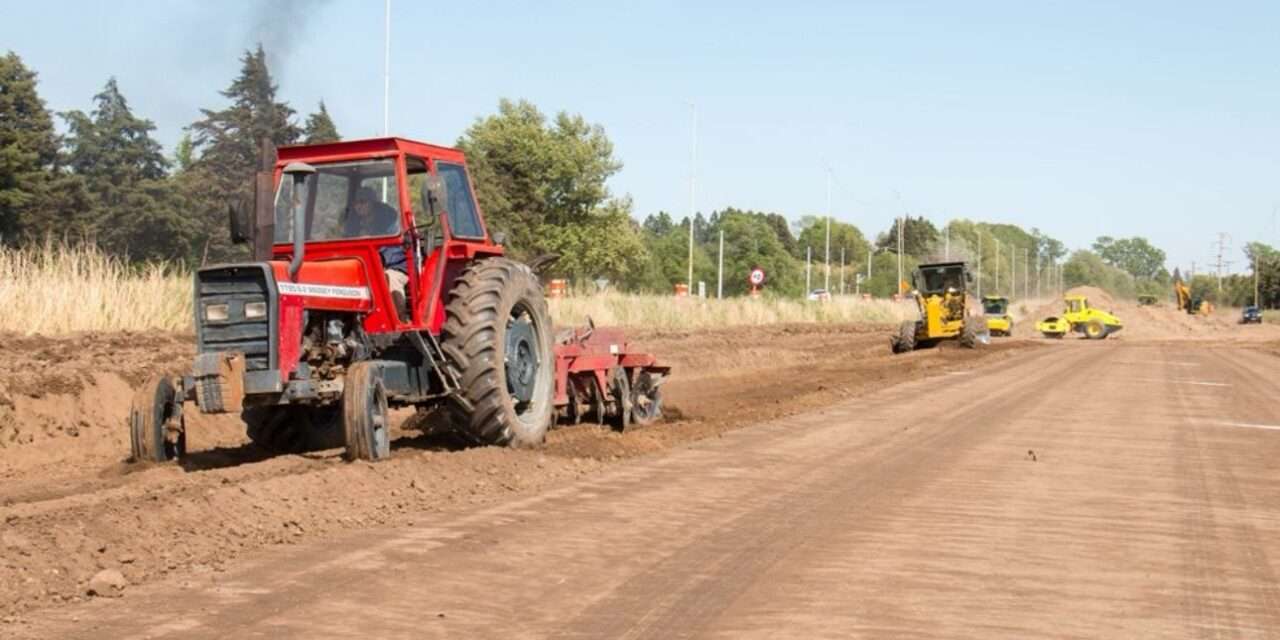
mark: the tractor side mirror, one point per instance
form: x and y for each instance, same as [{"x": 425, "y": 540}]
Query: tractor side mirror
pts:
[
  {"x": 238, "y": 223},
  {"x": 499, "y": 237},
  {"x": 435, "y": 194}
]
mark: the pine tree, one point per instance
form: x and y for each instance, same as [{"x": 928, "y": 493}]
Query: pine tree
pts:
[
  {"x": 227, "y": 142},
  {"x": 320, "y": 128},
  {"x": 28, "y": 148},
  {"x": 132, "y": 209}
]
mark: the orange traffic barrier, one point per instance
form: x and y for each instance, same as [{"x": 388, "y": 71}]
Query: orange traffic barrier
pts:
[
  {"x": 682, "y": 290},
  {"x": 557, "y": 288}
]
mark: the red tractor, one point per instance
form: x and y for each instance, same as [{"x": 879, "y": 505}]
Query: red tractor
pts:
[{"x": 377, "y": 284}]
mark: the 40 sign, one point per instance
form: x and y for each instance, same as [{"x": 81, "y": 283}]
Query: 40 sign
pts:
[{"x": 756, "y": 278}]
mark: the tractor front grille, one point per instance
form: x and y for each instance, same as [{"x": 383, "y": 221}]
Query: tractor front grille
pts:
[{"x": 236, "y": 287}]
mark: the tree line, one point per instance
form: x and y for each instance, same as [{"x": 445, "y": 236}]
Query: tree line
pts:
[{"x": 542, "y": 180}]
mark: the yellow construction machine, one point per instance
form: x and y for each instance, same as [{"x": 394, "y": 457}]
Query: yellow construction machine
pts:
[
  {"x": 1193, "y": 306},
  {"x": 999, "y": 322},
  {"x": 1079, "y": 317},
  {"x": 940, "y": 290}
]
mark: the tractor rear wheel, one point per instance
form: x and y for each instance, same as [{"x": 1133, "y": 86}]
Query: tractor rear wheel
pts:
[
  {"x": 497, "y": 337},
  {"x": 155, "y": 406},
  {"x": 365, "y": 422},
  {"x": 906, "y": 339}
]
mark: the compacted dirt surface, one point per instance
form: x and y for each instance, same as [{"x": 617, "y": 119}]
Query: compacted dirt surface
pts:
[
  {"x": 72, "y": 506},
  {"x": 807, "y": 485}
]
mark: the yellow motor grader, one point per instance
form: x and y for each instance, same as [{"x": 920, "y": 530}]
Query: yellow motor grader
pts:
[{"x": 941, "y": 293}]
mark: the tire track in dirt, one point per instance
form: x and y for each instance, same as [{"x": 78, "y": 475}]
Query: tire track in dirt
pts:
[{"x": 80, "y": 510}]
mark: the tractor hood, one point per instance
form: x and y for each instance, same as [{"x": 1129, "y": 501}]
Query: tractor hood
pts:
[{"x": 335, "y": 285}]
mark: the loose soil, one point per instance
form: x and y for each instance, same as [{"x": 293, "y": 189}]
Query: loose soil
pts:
[{"x": 72, "y": 506}]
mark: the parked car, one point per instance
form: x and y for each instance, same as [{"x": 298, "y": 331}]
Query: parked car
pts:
[
  {"x": 820, "y": 295},
  {"x": 1251, "y": 315}
]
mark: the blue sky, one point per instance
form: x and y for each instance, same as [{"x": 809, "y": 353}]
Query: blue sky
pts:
[{"x": 1080, "y": 118}]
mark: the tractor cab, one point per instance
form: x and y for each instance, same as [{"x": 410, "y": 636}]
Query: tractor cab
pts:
[{"x": 387, "y": 214}]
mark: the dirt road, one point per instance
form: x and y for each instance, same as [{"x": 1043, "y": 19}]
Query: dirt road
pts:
[{"x": 1082, "y": 490}]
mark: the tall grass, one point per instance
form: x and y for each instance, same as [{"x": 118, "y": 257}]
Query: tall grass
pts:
[
  {"x": 55, "y": 288},
  {"x": 668, "y": 312}
]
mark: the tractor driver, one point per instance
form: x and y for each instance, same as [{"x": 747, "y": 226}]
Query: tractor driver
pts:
[{"x": 369, "y": 216}]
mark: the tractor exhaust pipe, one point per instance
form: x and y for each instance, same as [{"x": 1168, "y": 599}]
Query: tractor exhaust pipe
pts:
[{"x": 298, "y": 172}]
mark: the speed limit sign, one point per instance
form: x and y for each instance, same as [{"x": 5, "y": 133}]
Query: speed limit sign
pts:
[{"x": 757, "y": 277}]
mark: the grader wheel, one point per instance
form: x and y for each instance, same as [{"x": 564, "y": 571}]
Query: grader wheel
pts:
[{"x": 905, "y": 341}]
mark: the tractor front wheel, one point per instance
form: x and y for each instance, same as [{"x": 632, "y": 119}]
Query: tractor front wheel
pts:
[
  {"x": 497, "y": 337},
  {"x": 365, "y": 422},
  {"x": 156, "y": 432}
]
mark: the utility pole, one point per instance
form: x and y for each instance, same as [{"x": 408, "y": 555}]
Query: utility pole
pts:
[
  {"x": 1026, "y": 274},
  {"x": 841, "y": 270},
  {"x": 1013, "y": 272},
  {"x": 947, "y": 233},
  {"x": 808, "y": 256},
  {"x": 979, "y": 265},
  {"x": 997, "y": 266},
  {"x": 1223, "y": 239},
  {"x": 1039, "y": 259},
  {"x": 1255, "y": 276},
  {"x": 720, "y": 269},
  {"x": 897, "y": 286},
  {"x": 386, "y": 72},
  {"x": 827, "y": 281},
  {"x": 693, "y": 186},
  {"x": 386, "y": 81},
  {"x": 871, "y": 252}
]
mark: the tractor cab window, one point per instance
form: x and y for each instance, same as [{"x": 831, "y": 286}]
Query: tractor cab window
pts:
[
  {"x": 464, "y": 222},
  {"x": 994, "y": 307},
  {"x": 343, "y": 200},
  {"x": 1074, "y": 306}
]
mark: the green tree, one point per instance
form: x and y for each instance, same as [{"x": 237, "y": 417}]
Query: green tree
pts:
[
  {"x": 751, "y": 241},
  {"x": 918, "y": 236},
  {"x": 132, "y": 209},
  {"x": 28, "y": 148},
  {"x": 320, "y": 128},
  {"x": 227, "y": 142},
  {"x": 543, "y": 183},
  {"x": 659, "y": 223},
  {"x": 813, "y": 233},
  {"x": 1134, "y": 255}
]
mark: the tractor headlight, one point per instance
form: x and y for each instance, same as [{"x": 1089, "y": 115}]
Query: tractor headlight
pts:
[
  {"x": 253, "y": 310},
  {"x": 215, "y": 312}
]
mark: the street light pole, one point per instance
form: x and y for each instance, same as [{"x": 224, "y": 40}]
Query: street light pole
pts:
[
  {"x": 827, "y": 282},
  {"x": 693, "y": 187}
]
